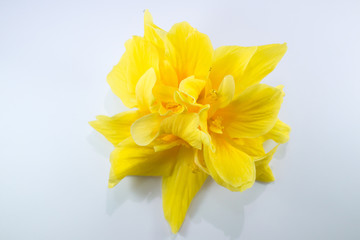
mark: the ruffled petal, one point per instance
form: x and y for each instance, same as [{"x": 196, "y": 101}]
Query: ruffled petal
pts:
[
  {"x": 153, "y": 33},
  {"x": 116, "y": 128},
  {"x": 143, "y": 90},
  {"x": 248, "y": 65},
  {"x": 180, "y": 187},
  {"x": 223, "y": 96},
  {"x": 253, "y": 113},
  {"x": 229, "y": 166},
  {"x": 188, "y": 51},
  {"x": 263, "y": 171},
  {"x": 140, "y": 55},
  {"x": 251, "y": 146},
  {"x": 184, "y": 126},
  {"x": 230, "y": 60},
  {"x": 130, "y": 159},
  {"x": 192, "y": 87},
  {"x": 146, "y": 129},
  {"x": 280, "y": 133}
]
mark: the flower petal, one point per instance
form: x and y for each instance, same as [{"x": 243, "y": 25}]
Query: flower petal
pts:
[
  {"x": 226, "y": 91},
  {"x": 180, "y": 187},
  {"x": 223, "y": 96},
  {"x": 188, "y": 51},
  {"x": 230, "y": 60},
  {"x": 248, "y": 65},
  {"x": 253, "y": 113},
  {"x": 261, "y": 64},
  {"x": 251, "y": 146},
  {"x": 229, "y": 166},
  {"x": 140, "y": 55},
  {"x": 116, "y": 128},
  {"x": 192, "y": 87},
  {"x": 279, "y": 133},
  {"x": 263, "y": 171},
  {"x": 130, "y": 159},
  {"x": 168, "y": 75},
  {"x": 153, "y": 33},
  {"x": 146, "y": 129},
  {"x": 184, "y": 126},
  {"x": 144, "y": 89}
]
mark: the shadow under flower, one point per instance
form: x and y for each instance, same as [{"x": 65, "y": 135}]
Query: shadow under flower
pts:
[
  {"x": 133, "y": 188},
  {"x": 213, "y": 204},
  {"x": 221, "y": 208}
]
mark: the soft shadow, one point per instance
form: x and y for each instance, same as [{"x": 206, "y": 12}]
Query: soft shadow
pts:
[
  {"x": 221, "y": 208},
  {"x": 281, "y": 151},
  {"x": 100, "y": 144},
  {"x": 113, "y": 104},
  {"x": 133, "y": 188}
]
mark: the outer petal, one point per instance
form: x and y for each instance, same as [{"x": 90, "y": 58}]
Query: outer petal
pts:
[
  {"x": 115, "y": 128},
  {"x": 189, "y": 51},
  {"x": 146, "y": 129},
  {"x": 153, "y": 33},
  {"x": 279, "y": 133},
  {"x": 261, "y": 64},
  {"x": 248, "y": 65},
  {"x": 180, "y": 188},
  {"x": 130, "y": 159},
  {"x": 229, "y": 166},
  {"x": 184, "y": 126},
  {"x": 253, "y": 113},
  {"x": 263, "y": 171},
  {"x": 144, "y": 88},
  {"x": 251, "y": 146},
  {"x": 140, "y": 55},
  {"x": 230, "y": 60}
]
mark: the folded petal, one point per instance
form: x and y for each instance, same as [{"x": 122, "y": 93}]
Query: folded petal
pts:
[
  {"x": 230, "y": 60},
  {"x": 130, "y": 159},
  {"x": 146, "y": 129},
  {"x": 116, "y": 128},
  {"x": 188, "y": 51},
  {"x": 279, "y": 133},
  {"x": 143, "y": 90},
  {"x": 192, "y": 87},
  {"x": 248, "y": 65},
  {"x": 263, "y": 171},
  {"x": 223, "y": 96},
  {"x": 140, "y": 55},
  {"x": 226, "y": 91},
  {"x": 184, "y": 126},
  {"x": 180, "y": 187},
  {"x": 261, "y": 64},
  {"x": 251, "y": 146},
  {"x": 253, "y": 113},
  {"x": 153, "y": 33},
  {"x": 168, "y": 74},
  {"x": 229, "y": 166}
]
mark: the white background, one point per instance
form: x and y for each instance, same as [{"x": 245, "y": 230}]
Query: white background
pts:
[{"x": 54, "y": 58}]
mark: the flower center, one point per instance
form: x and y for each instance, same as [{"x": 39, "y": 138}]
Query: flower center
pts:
[
  {"x": 175, "y": 107},
  {"x": 216, "y": 124},
  {"x": 213, "y": 95}
]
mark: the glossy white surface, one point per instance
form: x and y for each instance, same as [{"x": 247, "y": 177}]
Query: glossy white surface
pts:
[{"x": 54, "y": 58}]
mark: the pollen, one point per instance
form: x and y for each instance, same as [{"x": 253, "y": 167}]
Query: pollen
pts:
[
  {"x": 216, "y": 125},
  {"x": 213, "y": 95}
]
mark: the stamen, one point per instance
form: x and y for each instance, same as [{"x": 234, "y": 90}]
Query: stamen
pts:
[
  {"x": 213, "y": 94},
  {"x": 216, "y": 125}
]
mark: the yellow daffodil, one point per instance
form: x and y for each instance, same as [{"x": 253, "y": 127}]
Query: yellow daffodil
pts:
[{"x": 200, "y": 112}]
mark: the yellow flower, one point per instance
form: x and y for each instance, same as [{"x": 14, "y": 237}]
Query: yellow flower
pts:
[{"x": 200, "y": 112}]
